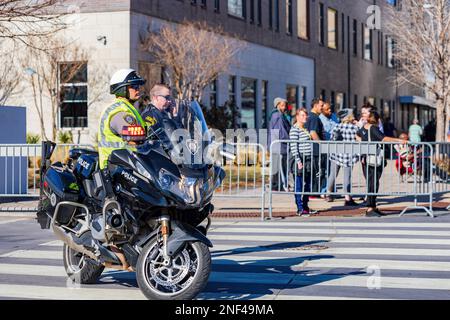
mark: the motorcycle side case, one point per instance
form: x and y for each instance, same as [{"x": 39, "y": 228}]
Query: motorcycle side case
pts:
[
  {"x": 86, "y": 165},
  {"x": 62, "y": 185}
]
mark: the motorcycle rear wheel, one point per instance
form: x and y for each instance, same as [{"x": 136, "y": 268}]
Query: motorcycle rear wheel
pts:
[
  {"x": 183, "y": 280},
  {"x": 80, "y": 268}
]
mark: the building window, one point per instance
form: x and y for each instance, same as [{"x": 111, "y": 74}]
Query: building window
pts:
[
  {"x": 264, "y": 102},
  {"x": 292, "y": 96},
  {"x": 252, "y": 11},
  {"x": 270, "y": 14},
  {"x": 343, "y": 33},
  {"x": 355, "y": 37},
  {"x": 277, "y": 15},
  {"x": 355, "y": 101},
  {"x": 340, "y": 101},
  {"x": 289, "y": 17},
  {"x": 236, "y": 8},
  {"x": 259, "y": 12},
  {"x": 332, "y": 28},
  {"x": 232, "y": 89},
  {"x": 303, "y": 19},
  {"x": 194, "y": 2},
  {"x": 304, "y": 101},
  {"x": 321, "y": 23},
  {"x": 203, "y": 3},
  {"x": 323, "y": 95},
  {"x": 216, "y": 5},
  {"x": 332, "y": 101},
  {"x": 390, "y": 52},
  {"x": 367, "y": 34},
  {"x": 248, "y": 103},
  {"x": 213, "y": 94},
  {"x": 73, "y": 94}
]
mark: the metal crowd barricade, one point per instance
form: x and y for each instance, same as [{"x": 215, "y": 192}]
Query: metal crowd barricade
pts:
[
  {"x": 20, "y": 165},
  {"x": 245, "y": 175},
  {"x": 441, "y": 168},
  {"x": 406, "y": 171}
]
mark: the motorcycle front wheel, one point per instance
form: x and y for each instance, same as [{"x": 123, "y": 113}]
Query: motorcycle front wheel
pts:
[{"x": 184, "y": 279}]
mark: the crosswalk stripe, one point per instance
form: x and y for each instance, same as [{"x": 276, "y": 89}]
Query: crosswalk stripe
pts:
[
  {"x": 364, "y": 281},
  {"x": 61, "y": 293},
  {"x": 337, "y": 263},
  {"x": 12, "y": 221},
  {"x": 218, "y": 249},
  {"x": 300, "y": 231},
  {"x": 279, "y": 238},
  {"x": 340, "y": 251},
  {"x": 241, "y": 296},
  {"x": 34, "y": 254},
  {"x": 58, "y": 293},
  {"x": 368, "y": 224}
]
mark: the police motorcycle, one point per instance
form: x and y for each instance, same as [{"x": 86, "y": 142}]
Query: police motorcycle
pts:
[{"x": 150, "y": 214}]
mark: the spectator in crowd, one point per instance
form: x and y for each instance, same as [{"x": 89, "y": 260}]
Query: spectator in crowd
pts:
[
  {"x": 448, "y": 133},
  {"x": 279, "y": 130},
  {"x": 371, "y": 132},
  {"x": 365, "y": 109},
  {"x": 415, "y": 132},
  {"x": 315, "y": 127},
  {"x": 301, "y": 150},
  {"x": 328, "y": 121},
  {"x": 344, "y": 131},
  {"x": 429, "y": 132}
]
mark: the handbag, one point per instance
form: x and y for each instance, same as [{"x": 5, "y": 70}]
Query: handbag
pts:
[{"x": 375, "y": 160}]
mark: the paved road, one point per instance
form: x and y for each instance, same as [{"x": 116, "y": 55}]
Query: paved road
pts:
[{"x": 299, "y": 258}]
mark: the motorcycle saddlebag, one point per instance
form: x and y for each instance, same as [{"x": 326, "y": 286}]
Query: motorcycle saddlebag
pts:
[{"x": 61, "y": 185}]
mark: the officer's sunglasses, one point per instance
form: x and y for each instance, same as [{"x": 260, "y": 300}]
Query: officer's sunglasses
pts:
[{"x": 168, "y": 97}]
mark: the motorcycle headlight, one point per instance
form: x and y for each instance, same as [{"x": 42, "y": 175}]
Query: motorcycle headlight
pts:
[{"x": 184, "y": 188}]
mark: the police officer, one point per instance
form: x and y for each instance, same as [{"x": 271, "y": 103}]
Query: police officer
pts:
[
  {"x": 160, "y": 112},
  {"x": 125, "y": 85}
]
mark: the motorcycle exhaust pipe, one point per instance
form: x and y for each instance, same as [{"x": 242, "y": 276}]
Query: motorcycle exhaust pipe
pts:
[{"x": 67, "y": 239}]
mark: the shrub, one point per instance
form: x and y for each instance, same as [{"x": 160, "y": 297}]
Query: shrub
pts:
[
  {"x": 65, "y": 137},
  {"x": 33, "y": 138}
]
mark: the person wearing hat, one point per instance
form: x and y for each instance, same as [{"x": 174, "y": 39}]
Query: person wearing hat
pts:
[
  {"x": 279, "y": 130},
  {"x": 345, "y": 131}
]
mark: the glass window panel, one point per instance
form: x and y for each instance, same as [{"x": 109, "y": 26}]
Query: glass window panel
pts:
[
  {"x": 73, "y": 93},
  {"x": 332, "y": 28},
  {"x": 236, "y": 8},
  {"x": 303, "y": 18},
  {"x": 248, "y": 103},
  {"x": 73, "y": 115},
  {"x": 73, "y": 72}
]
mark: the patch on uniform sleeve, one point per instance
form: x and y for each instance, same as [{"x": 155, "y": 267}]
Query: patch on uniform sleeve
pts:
[
  {"x": 150, "y": 121},
  {"x": 129, "y": 119}
]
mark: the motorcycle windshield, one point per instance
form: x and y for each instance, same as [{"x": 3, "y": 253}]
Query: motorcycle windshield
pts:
[
  {"x": 191, "y": 138},
  {"x": 184, "y": 134}
]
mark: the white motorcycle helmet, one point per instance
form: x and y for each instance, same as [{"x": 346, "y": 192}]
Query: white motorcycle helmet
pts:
[{"x": 122, "y": 79}]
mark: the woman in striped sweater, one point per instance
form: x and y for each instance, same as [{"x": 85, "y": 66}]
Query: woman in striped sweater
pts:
[{"x": 301, "y": 151}]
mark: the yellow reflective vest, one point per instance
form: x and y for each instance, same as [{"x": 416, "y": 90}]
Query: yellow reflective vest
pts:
[{"x": 108, "y": 141}]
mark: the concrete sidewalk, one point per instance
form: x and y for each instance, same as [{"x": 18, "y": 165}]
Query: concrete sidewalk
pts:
[{"x": 283, "y": 206}]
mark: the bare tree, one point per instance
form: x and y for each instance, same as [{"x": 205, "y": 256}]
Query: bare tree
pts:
[
  {"x": 60, "y": 62},
  {"x": 27, "y": 20},
  {"x": 421, "y": 31},
  {"x": 193, "y": 54},
  {"x": 9, "y": 75}
]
